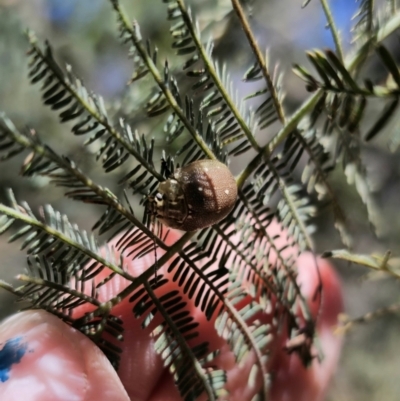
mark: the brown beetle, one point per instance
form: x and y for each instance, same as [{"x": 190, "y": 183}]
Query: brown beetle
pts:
[{"x": 195, "y": 196}]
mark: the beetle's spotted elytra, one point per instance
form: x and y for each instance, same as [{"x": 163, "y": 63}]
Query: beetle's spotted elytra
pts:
[{"x": 195, "y": 196}]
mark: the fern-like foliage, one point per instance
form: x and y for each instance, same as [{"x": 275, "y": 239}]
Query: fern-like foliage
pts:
[{"x": 219, "y": 267}]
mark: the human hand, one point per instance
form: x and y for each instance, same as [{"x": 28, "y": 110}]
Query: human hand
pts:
[{"x": 43, "y": 359}]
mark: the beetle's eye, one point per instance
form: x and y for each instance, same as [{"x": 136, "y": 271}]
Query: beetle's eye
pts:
[{"x": 159, "y": 196}]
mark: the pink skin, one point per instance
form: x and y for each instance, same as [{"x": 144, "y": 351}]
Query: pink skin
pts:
[{"x": 61, "y": 364}]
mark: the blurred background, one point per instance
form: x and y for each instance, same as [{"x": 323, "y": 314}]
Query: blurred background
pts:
[{"x": 84, "y": 34}]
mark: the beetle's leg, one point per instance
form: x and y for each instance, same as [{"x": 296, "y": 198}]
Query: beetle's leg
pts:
[{"x": 165, "y": 169}]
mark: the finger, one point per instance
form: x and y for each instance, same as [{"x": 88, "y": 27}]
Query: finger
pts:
[
  {"x": 43, "y": 359},
  {"x": 141, "y": 369},
  {"x": 290, "y": 379},
  {"x": 139, "y": 361}
]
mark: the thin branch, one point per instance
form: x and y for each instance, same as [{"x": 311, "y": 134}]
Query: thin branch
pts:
[
  {"x": 92, "y": 110},
  {"x": 348, "y": 323},
  {"x": 260, "y": 59},
  {"x": 182, "y": 343},
  {"x": 308, "y": 105},
  {"x": 333, "y": 29},
  {"x": 106, "y": 195},
  {"x": 374, "y": 262},
  {"x": 33, "y": 222},
  {"x": 145, "y": 276},
  {"x": 215, "y": 76},
  {"x": 133, "y": 30},
  {"x": 60, "y": 288}
]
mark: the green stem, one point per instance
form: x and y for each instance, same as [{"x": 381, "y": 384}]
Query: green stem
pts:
[
  {"x": 107, "y": 196},
  {"x": 61, "y": 289},
  {"x": 333, "y": 29},
  {"x": 91, "y": 108},
  {"x": 307, "y": 106},
  {"x": 260, "y": 59},
  {"x": 158, "y": 78},
  {"x": 215, "y": 77},
  {"x": 33, "y": 222},
  {"x": 178, "y": 336}
]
